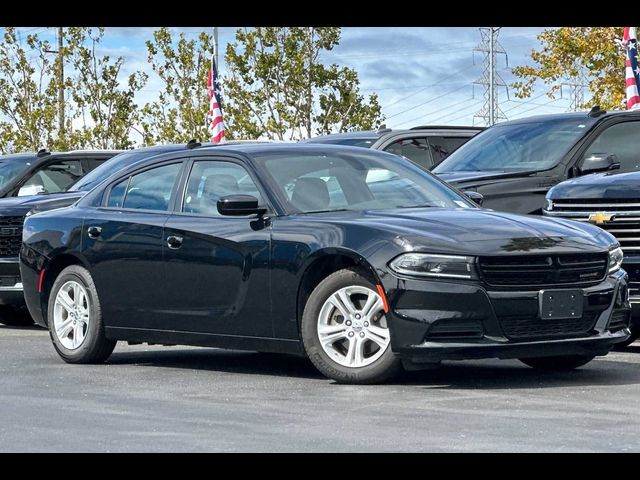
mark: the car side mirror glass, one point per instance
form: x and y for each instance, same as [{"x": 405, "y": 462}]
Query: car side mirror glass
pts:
[
  {"x": 599, "y": 162},
  {"x": 28, "y": 190},
  {"x": 475, "y": 197},
  {"x": 239, "y": 205}
]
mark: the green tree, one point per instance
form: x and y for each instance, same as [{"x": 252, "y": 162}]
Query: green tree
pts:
[
  {"x": 567, "y": 53},
  {"x": 179, "y": 114},
  {"x": 28, "y": 87},
  {"x": 107, "y": 110},
  {"x": 276, "y": 86}
]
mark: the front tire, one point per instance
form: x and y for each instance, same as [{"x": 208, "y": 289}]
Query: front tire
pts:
[
  {"x": 345, "y": 332},
  {"x": 75, "y": 318},
  {"x": 558, "y": 364}
]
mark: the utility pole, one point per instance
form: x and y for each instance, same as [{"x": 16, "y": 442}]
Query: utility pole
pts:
[
  {"x": 576, "y": 86},
  {"x": 490, "y": 79},
  {"x": 60, "y": 62}
]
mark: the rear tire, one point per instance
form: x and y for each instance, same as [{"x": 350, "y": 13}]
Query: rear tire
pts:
[
  {"x": 15, "y": 316},
  {"x": 558, "y": 364},
  {"x": 75, "y": 318},
  {"x": 355, "y": 346}
]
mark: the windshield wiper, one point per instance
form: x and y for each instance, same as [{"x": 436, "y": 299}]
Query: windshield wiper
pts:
[{"x": 330, "y": 210}]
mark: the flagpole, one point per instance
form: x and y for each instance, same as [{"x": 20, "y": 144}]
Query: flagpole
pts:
[{"x": 215, "y": 45}]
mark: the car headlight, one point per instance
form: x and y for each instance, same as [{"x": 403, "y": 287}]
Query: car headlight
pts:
[
  {"x": 428, "y": 265},
  {"x": 615, "y": 259}
]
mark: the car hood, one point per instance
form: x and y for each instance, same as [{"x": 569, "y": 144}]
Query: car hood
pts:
[
  {"x": 14, "y": 206},
  {"x": 599, "y": 186},
  {"x": 472, "y": 231},
  {"x": 471, "y": 178}
]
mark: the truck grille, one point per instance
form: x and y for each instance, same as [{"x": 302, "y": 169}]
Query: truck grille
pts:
[
  {"x": 10, "y": 236},
  {"x": 525, "y": 327},
  {"x": 624, "y": 223},
  {"x": 544, "y": 270}
]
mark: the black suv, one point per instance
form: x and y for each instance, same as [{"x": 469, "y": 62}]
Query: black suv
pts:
[
  {"x": 27, "y": 179},
  {"x": 513, "y": 164},
  {"x": 613, "y": 203},
  {"x": 425, "y": 145}
]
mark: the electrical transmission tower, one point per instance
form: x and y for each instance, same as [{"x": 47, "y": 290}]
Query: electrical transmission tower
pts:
[
  {"x": 490, "y": 79},
  {"x": 576, "y": 91}
]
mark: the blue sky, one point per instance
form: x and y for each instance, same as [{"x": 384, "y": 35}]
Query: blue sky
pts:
[{"x": 421, "y": 75}]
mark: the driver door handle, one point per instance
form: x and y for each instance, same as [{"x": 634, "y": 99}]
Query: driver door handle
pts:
[
  {"x": 94, "y": 232},
  {"x": 174, "y": 242}
]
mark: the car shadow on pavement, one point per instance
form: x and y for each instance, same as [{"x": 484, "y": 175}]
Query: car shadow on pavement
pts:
[
  {"x": 230, "y": 361},
  {"x": 481, "y": 374},
  {"x": 21, "y": 327},
  {"x": 513, "y": 375}
]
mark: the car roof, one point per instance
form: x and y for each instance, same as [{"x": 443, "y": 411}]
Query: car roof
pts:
[
  {"x": 375, "y": 134},
  {"x": 571, "y": 116}
]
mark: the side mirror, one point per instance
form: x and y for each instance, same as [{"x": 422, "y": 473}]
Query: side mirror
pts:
[
  {"x": 28, "y": 190},
  {"x": 599, "y": 162},
  {"x": 239, "y": 205},
  {"x": 475, "y": 197}
]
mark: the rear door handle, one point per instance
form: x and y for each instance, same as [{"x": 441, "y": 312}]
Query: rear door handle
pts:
[
  {"x": 174, "y": 242},
  {"x": 94, "y": 232}
]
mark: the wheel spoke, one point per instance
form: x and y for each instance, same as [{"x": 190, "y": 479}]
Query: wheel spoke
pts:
[
  {"x": 78, "y": 334},
  {"x": 78, "y": 296},
  {"x": 65, "y": 300},
  {"x": 378, "y": 335},
  {"x": 65, "y": 328},
  {"x": 355, "y": 354},
  {"x": 336, "y": 301},
  {"x": 372, "y": 306}
]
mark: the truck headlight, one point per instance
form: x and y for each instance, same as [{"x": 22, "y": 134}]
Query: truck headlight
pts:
[
  {"x": 549, "y": 205},
  {"x": 428, "y": 265},
  {"x": 615, "y": 259}
]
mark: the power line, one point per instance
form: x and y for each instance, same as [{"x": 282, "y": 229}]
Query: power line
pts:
[
  {"x": 490, "y": 78},
  {"x": 428, "y": 101},
  {"x": 436, "y": 111}
]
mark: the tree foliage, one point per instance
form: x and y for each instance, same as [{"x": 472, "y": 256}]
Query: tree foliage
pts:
[
  {"x": 179, "y": 114},
  {"x": 568, "y": 52},
  {"x": 28, "y": 88},
  {"x": 107, "y": 111},
  {"x": 276, "y": 86}
]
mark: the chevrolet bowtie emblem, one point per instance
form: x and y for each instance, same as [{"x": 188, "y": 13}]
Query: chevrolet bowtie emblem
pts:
[{"x": 600, "y": 218}]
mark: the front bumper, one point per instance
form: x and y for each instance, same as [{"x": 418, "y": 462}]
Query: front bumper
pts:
[
  {"x": 432, "y": 321},
  {"x": 11, "y": 291}
]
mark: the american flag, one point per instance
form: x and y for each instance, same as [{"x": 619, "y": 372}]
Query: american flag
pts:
[
  {"x": 214, "y": 119},
  {"x": 630, "y": 42}
]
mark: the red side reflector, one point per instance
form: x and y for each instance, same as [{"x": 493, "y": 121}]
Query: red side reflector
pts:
[
  {"x": 41, "y": 280},
  {"x": 385, "y": 305}
]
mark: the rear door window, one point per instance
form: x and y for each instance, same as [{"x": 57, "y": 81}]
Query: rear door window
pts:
[{"x": 149, "y": 190}]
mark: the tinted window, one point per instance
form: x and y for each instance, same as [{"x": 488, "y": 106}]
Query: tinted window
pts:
[
  {"x": 622, "y": 140},
  {"x": 149, "y": 190},
  {"x": 10, "y": 170},
  {"x": 415, "y": 149},
  {"x": 314, "y": 182},
  {"x": 211, "y": 180},
  {"x": 56, "y": 177},
  {"x": 107, "y": 168},
  {"x": 515, "y": 147},
  {"x": 442, "y": 147}
]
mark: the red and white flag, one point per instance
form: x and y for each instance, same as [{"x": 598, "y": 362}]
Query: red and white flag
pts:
[
  {"x": 630, "y": 43},
  {"x": 215, "y": 123}
]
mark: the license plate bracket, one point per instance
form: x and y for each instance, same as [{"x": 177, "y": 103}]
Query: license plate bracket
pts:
[{"x": 560, "y": 304}]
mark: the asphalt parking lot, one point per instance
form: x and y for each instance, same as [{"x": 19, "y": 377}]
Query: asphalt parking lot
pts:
[{"x": 194, "y": 399}]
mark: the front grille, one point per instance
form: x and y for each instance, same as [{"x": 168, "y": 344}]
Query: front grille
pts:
[
  {"x": 634, "y": 290},
  {"x": 527, "y": 327},
  {"x": 455, "y": 329},
  {"x": 624, "y": 223},
  {"x": 619, "y": 320},
  {"x": 544, "y": 270},
  {"x": 10, "y": 236}
]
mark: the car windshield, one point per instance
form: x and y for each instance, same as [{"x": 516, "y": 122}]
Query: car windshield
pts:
[
  {"x": 351, "y": 179},
  {"x": 365, "y": 142},
  {"x": 518, "y": 147},
  {"x": 103, "y": 171},
  {"x": 10, "y": 169}
]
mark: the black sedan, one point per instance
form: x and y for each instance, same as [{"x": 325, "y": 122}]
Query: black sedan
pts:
[{"x": 362, "y": 261}]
